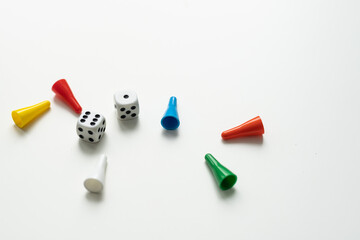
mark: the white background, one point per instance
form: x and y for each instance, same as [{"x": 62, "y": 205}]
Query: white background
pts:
[{"x": 294, "y": 63}]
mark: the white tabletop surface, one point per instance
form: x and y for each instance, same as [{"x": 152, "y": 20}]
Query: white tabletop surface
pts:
[{"x": 294, "y": 63}]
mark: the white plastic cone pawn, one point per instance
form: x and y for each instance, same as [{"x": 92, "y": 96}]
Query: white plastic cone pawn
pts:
[{"x": 95, "y": 183}]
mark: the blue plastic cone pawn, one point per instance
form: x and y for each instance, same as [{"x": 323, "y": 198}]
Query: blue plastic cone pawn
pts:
[{"x": 170, "y": 120}]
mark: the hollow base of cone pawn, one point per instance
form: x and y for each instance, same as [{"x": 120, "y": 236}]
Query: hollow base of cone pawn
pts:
[{"x": 93, "y": 185}]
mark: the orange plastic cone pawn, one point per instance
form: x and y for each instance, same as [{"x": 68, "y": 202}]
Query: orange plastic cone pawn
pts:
[
  {"x": 62, "y": 89},
  {"x": 23, "y": 116},
  {"x": 253, "y": 127}
]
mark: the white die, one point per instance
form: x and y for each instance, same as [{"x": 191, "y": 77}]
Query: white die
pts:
[
  {"x": 91, "y": 126},
  {"x": 126, "y": 104}
]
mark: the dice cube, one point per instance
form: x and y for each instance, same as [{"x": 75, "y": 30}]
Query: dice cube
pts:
[
  {"x": 126, "y": 104},
  {"x": 91, "y": 126}
]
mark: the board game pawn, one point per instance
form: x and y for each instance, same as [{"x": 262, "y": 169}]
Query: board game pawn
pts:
[
  {"x": 95, "y": 183},
  {"x": 223, "y": 176},
  {"x": 170, "y": 120},
  {"x": 24, "y": 116},
  {"x": 253, "y": 127},
  {"x": 63, "y": 91}
]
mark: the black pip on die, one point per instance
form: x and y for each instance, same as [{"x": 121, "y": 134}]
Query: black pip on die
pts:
[
  {"x": 91, "y": 126},
  {"x": 126, "y": 104}
]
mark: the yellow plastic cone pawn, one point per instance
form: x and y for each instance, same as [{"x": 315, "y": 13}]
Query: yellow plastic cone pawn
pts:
[{"x": 23, "y": 116}]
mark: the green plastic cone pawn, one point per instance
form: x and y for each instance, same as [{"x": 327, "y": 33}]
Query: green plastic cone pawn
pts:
[{"x": 224, "y": 177}]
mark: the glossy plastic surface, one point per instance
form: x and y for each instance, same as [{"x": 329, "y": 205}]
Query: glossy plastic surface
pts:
[
  {"x": 223, "y": 176},
  {"x": 170, "y": 120},
  {"x": 23, "y": 116},
  {"x": 253, "y": 127},
  {"x": 63, "y": 91},
  {"x": 95, "y": 183}
]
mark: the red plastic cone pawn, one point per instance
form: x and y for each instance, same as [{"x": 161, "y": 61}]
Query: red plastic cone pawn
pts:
[
  {"x": 253, "y": 127},
  {"x": 62, "y": 90}
]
